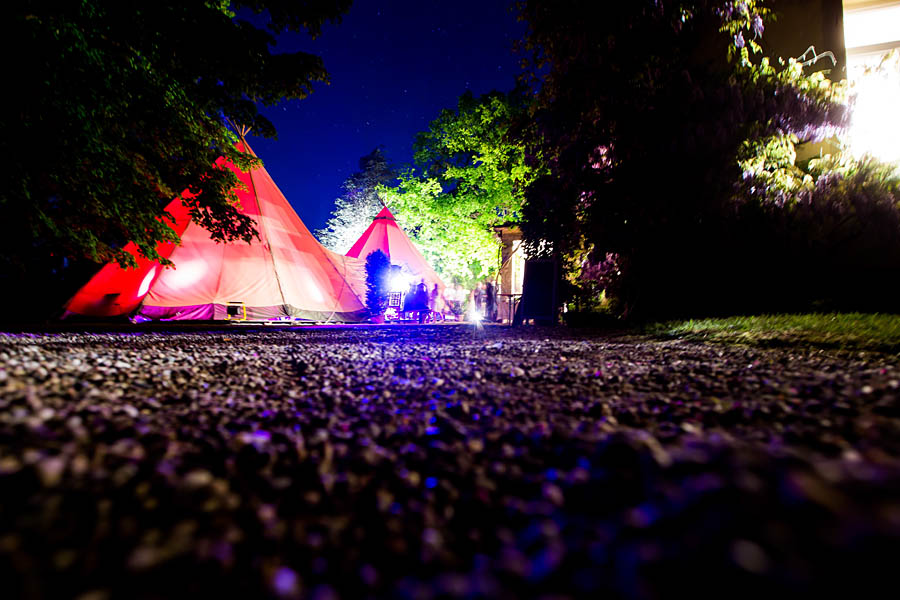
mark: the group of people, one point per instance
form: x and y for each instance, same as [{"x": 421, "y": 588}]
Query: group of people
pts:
[
  {"x": 423, "y": 301},
  {"x": 482, "y": 300}
]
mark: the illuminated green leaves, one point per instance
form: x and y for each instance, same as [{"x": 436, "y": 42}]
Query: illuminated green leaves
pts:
[{"x": 473, "y": 174}]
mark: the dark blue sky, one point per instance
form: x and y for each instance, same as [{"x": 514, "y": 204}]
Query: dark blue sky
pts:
[{"x": 393, "y": 65}]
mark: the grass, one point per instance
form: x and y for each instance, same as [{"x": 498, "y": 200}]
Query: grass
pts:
[{"x": 851, "y": 331}]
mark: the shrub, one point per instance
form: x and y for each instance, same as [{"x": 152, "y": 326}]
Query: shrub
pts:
[
  {"x": 837, "y": 235},
  {"x": 378, "y": 266}
]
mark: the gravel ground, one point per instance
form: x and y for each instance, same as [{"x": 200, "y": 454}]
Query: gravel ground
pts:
[{"x": 442, "y": 462}]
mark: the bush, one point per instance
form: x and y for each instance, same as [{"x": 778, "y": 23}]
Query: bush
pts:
[{"x": 837, "y": 237}]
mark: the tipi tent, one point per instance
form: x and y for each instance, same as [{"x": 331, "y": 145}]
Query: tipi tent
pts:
[
  {"x": 384, "y": 234},
  {"x": 285, "y": 273}
]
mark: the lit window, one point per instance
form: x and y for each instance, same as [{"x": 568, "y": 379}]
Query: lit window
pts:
[
  {"x": 871, "y": 32},
  {"x": 871, "y": 25}
]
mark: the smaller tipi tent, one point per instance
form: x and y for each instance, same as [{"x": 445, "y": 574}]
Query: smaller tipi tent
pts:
[
  {"x": 285, "y": 273},
  {"x": 384, "y": 234}
]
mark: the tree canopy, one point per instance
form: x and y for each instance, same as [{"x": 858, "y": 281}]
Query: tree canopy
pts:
[
  {"x": 471, "y": 173},
  {"x": 645, "y": 110},
  {"x": 119, "y": 107},
  {"x": 359, "y": 204}
]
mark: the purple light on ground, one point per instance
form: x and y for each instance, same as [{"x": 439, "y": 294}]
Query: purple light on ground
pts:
[{"x": 285, "y": 581}]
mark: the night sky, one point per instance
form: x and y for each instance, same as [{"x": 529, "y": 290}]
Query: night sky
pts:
[{"x": 394, "y": 65}]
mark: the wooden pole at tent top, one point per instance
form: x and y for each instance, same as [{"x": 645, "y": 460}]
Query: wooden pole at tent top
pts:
[{"x": 241, "y": 130}]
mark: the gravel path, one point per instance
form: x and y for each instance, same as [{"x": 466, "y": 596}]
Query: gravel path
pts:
[{"x": 441, "y": 463}]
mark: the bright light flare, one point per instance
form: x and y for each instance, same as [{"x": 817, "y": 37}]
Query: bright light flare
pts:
[
  {"x": 875, "y": 124},
  {"x": 400, "y": 282},
  {"x": 186, "y": 274},
  {"x": 314, "y": 290},
  {"x": 145, "y": 284},
  {"x": 872, "y": 25},
  {"x": 871, "y": 30}
]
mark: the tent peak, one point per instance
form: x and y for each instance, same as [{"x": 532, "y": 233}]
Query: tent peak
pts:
[
  {"x": 386, "y": 235},
  {"x": 242, "y": 131},
  {"x": 385, "y": 213}
]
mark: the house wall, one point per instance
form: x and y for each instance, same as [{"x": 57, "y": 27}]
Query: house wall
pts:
[{"x": 800, "y": 24}]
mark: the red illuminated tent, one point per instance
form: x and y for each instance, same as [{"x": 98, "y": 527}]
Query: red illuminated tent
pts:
[
  {"x": 384, "y": 234},
  {"x": 285, "y": 273}
]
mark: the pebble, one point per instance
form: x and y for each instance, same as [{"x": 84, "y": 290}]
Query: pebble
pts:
[{"x": 437, "y": 462}]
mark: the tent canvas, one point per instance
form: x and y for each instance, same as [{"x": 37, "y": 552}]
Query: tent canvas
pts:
[
  {"x": 384, "y": 234},
  {"x": 285, "y": 273}
]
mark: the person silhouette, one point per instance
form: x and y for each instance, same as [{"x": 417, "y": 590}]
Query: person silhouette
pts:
[
  {"x": 490, "y": 311},
  {"x": 420, "y": 300},
  {"x": 434, "y": 300}
]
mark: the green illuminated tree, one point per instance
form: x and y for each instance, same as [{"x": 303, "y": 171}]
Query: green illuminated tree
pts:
[
  {"x": 473, "y": 170},
  {"x": 354, "y": 210},
  {"x": 454, "y": 244},
  {"x": 120, "y": 107},
  {"x": 476, "y": 157}
]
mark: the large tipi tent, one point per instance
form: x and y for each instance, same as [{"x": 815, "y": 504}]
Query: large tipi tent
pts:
[
  {"x": 285, "y": 273},
  {"x": 384, "y": 234}
]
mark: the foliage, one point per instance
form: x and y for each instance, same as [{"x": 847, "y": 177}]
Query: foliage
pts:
[
  {"x": 119, "y": 108},
  {"x": 833, "y": 221},
  {"x": 834, "y": 237},
  {"x": 772, "y": 158},
  {"x": 472, "y": 153},
  {"x": 451, "y": 240},
  {"x": 874, "y": 332},
  {"x": 473, "y": 171},
  {"x": 354, "y": 210},
  {"x": 378, "y": 267},
  {"x": 644, "y": 112}
]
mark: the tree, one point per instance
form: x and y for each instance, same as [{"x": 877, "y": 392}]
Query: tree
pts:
[
  {"x": 475, "y": 156},
  {"x": 119, "y": 108},
  {"x": 354, "y": 210},
  {"x": 472, "y": 172},
  {"x": 455, "y": 245},
  {"x": 644, "y": 111}
]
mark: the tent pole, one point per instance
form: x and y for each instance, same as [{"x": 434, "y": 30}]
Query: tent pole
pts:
[{"x": 241, "y": 133}]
